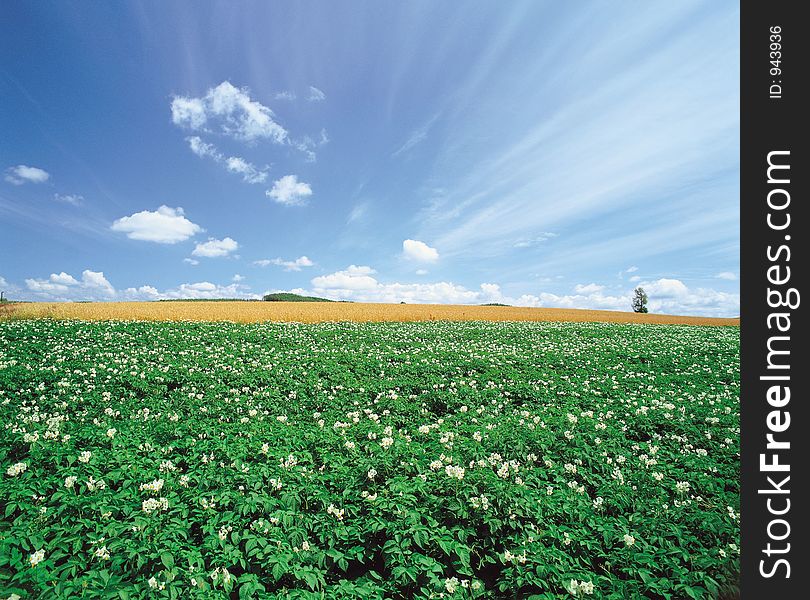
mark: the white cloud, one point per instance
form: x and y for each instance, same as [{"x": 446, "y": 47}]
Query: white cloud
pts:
[
  {"x": 666, "y": 288},
  {"x": 727, "y": 275},
  {"x": 165, "y": 226},
  {"x": 206, "y": 289},
  {"x": 285, "y": 95},
  {"x": 43, "y": 286},
  {"x": 358, "y": 212},
  {"x": 215, "y": 248},
  {"x": 203, "y": 149},
  {"x": 353, "y": 278},
  {"x": 63, "y": 286},
  {"x": 667, "y": 296},
  {"x": 421, "y": 271},
  {"x": 232, "y": 110},
  {"x": 590, "y": 288},
  {"x": 63, "y": 279},
  {"x": 307, "y": 145},
  {"x": 419, "y": 251},
  {"x": 289, "y": 265},
  {"x": 250, "y": 173},
  {"x": 96, "y": 280},
  {"x": 74, "y": 199},
  {"x": 632, "y": 269},
  {"x": 189, "y": 112},
  {"x": 191, "y": 261},
  {"x": 635, "y": 278},
  {"x": 289, "y": 191},
  {"x": 416, "y": 136},
  {"x": 315, "y": 95},
  {"x": 237, "y": 278},
  {"x": 24, "y": 174},
  {"x": 543, "y": 236}
]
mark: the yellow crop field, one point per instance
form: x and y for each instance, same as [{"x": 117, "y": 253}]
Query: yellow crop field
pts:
[{"x": 315, "y": 312}]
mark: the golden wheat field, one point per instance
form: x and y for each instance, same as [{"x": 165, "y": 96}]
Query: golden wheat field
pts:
[{"x": 314, "y": 312}]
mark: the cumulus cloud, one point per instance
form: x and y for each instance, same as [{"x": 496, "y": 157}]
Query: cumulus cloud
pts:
[
  {"x": 63, "y": 286},
  {"x": 93, "y": 285},
  {"x": 668, "y": 296},
  {"x": 164, "y": 226},
  {"x": 289, "y": 191},
  {"x": 96, "y": 280},
  {"x": 215, "y": 248},
  {"x": 315, "y": 95},
  {"x": 24, "y": 174},
  {"x": 289, "y": 265},
  {"x": 588, "y": 289},
  {"x": 74, "y": 199},
  {"x": 63, "y": 279},
  {"x": 231, "y": 111},
  {"x": 727, "y": 275},
  {"x": 419, "y": 251},
  {"x": 206, "y": 289}
]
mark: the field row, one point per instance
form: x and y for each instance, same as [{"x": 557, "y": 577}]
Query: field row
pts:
[{"x": 318, "y": 312}]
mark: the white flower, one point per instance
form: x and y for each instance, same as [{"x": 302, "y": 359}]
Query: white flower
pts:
[
  {"x": 454, "y": 472},
  {"x": 16, "y": 469},
  {"x": 337, "y": 512},
  {"x": 387, "y": 442},
  {"x": 111, "y": 432},
  {"x": 151, "y": 505},
  {"x": 37, "y": 557},
  {"x": 102, "y": 553},
  {"x": 451, "y": 585},
  {"x": 154, "y": 486},
  {"x": 629, "y": 540},
  {"x": 682, "y": 487},
  {"x": 84, "y": 457},
  {"x": 372, "y": 473},
  {"x": 70, "y": 481}
]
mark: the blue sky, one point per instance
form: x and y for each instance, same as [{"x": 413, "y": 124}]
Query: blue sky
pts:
[{"x": 532, "y": 153}]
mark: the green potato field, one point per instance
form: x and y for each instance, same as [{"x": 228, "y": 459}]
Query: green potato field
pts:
[{"x": 376, "y": 460}]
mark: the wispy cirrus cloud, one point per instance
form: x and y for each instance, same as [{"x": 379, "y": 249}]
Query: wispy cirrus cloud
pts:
[
  {"x": 289, "y": 265},
  {"x": 234, "y": 164}
]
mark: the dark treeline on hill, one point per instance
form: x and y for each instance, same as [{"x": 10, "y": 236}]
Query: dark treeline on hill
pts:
[{"x": 287, "y": 297}]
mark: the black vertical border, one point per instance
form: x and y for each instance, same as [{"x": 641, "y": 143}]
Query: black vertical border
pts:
[{"x": 769, "y": 124}]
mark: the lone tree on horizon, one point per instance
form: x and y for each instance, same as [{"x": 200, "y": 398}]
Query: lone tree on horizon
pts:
[{"x": 639, "y": 300}]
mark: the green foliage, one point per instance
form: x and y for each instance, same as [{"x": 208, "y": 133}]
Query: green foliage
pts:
[
  {"x": 288, "y": 297},
  {"x": 639, "y": 300},
  {"x": 346, "y": 460}
]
